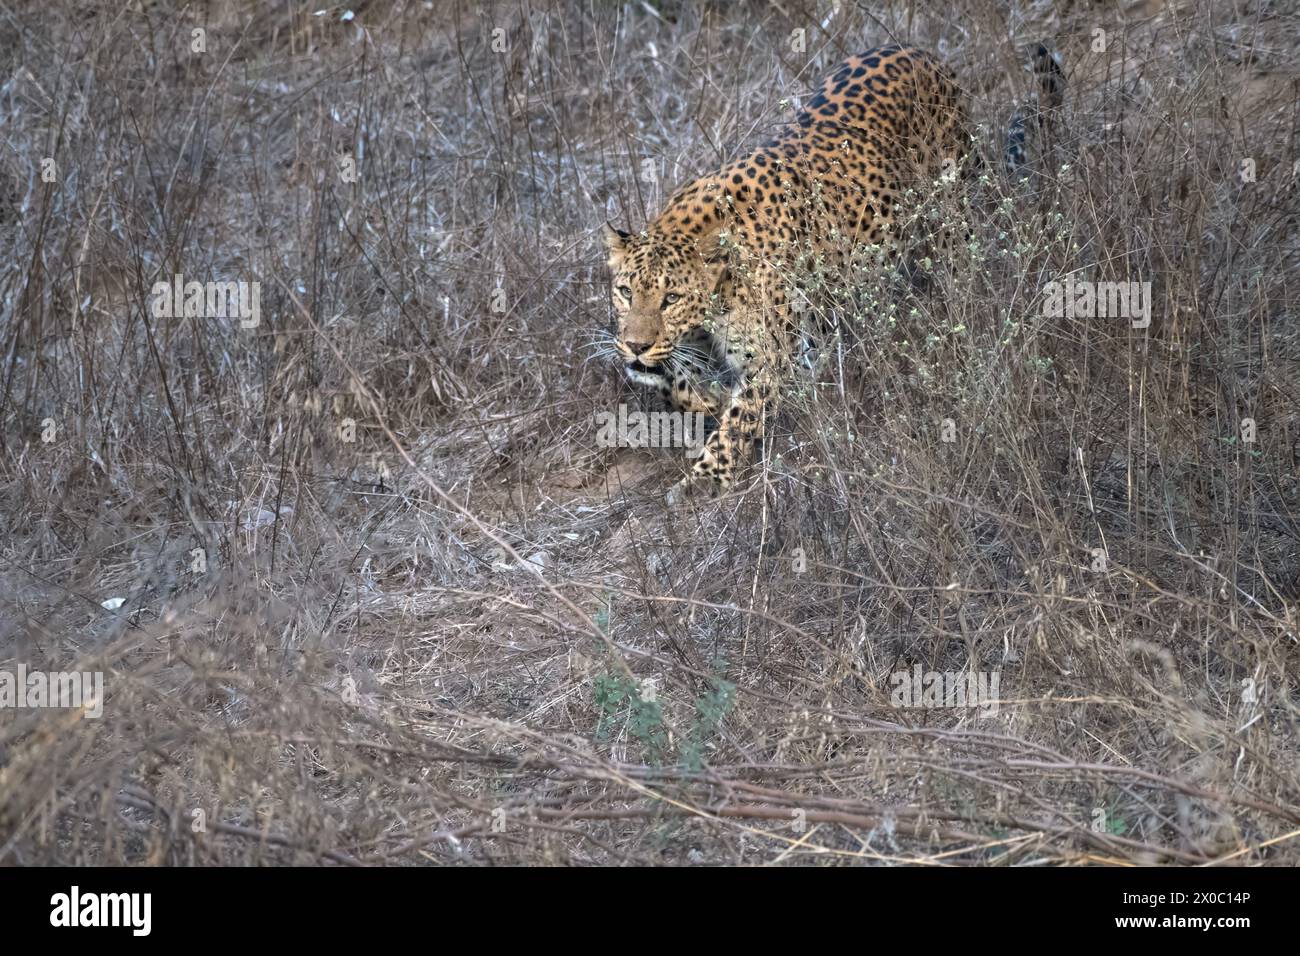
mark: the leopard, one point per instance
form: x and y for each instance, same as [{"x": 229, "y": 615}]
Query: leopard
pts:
[{"x": 707, "y": 300}]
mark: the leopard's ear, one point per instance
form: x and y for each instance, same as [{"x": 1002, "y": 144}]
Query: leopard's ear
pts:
[
  {"x": 616, "y": 240},
  {"x": 712, "y": 245},
  {"x": 714, "y": 248}
]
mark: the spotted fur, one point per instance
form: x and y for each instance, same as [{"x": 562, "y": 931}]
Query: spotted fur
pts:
[{"x": 706, "y": 295}]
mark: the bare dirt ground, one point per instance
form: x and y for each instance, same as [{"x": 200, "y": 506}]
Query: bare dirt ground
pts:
[{"x": 363, "y": 586}]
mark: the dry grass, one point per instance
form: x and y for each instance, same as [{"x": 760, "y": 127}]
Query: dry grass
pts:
[{"x": 370, "y": 669}]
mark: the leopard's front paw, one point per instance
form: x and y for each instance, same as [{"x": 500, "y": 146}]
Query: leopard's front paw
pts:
[{"x": 713, "y": 471}]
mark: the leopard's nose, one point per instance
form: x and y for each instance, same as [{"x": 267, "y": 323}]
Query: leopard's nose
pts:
[{"x": 638, "y": 347}]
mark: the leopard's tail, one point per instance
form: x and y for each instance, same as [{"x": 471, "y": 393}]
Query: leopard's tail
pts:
[{"x": 1034, "y": 114}]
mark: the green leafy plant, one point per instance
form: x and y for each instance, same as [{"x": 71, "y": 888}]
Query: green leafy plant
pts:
[
  {"x": 618, "y": 698},
  {"x": 710, "y": 710}
]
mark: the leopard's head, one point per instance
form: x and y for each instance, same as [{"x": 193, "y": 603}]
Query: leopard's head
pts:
[{"x": 663, "y": 287}]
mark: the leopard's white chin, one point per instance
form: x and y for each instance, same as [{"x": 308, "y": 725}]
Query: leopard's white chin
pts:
[{"x": 643, "y": 378}]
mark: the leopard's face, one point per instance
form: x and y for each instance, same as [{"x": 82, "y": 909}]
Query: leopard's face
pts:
[{"x": 661, "y": 289}]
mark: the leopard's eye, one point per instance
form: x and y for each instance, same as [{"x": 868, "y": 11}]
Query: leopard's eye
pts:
[
  {"x": 625, "y": 292},
  {"x": 670, "y": 298}
]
